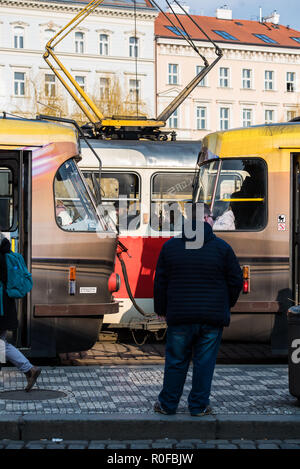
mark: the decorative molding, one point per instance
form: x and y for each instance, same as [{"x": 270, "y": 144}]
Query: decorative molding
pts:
[
  {"x": 63, "y": 7},
  {"x": 105, "y": 31},
  {"x": 19, "y": 23}
]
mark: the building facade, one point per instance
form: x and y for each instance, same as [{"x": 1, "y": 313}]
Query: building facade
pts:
[
  {"x": 255, "y": 82},
  {"x": 111, "y": 51}
]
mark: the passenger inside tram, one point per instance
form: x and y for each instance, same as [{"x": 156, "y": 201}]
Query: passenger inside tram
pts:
[{"x": 240, "y": 197}]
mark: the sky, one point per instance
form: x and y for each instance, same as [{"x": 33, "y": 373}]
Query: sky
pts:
[{"x": 289, "y": 10}]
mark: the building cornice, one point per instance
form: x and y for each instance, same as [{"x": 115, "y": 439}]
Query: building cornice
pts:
[{"x": 72, "y": 8}]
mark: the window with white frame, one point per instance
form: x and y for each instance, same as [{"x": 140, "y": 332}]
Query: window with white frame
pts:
[
  {"x": 103, "y": 44},
  {"x": 247, "y": 78},
  {"x": 173, "y": 70},
  {"x": 48, "y": 34},
  {"x": 50, "y": 89},
  {"x": 173, "y": 120},
  {"x": 104, "y": 87},
  {"x": 133, "y": 46},
  {"x": 224, "y": 77},
  {"x": 81, "y": 81},
  {"x": 134, "y": 90},
  {"x": 290, "y": 115},
  {"x": 201, "y": 117},
  {"x": 269, "y": 80},
  {"x": 203, "y": 82},
  {"x": 79, "y": 42},
  {"x": 19, "y": 83},
  {"x": 18, "y": 37},
  {"x": 269, "y": 116},
  {"x": 247, "y": 117},
  {"x": 224, "y": 118},
  {"x": 290, "y": 82}
]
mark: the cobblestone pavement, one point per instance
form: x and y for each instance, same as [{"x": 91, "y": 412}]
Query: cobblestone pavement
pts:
[
  {"x": 154, "y": 445},
  {"x": 236, "y": 390}
]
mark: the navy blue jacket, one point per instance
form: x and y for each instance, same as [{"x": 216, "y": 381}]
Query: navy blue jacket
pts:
[{"x": 197, "y": 285}]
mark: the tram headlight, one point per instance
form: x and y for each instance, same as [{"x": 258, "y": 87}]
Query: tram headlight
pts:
[{"x": 114, "y": 282}]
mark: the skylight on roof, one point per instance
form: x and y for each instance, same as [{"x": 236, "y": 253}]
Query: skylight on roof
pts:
[
  {"x": 177, "y": 31},
  {"x": 225, "y": 35},
  {"x": 265, "y": 38},
  {"x": 297, "y": 39}
]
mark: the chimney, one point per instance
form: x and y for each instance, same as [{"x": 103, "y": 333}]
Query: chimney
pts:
[
  {"x": 176, "y": 8},
  {"x": 273, "y": 18},
  {"x": 224, "y": 13}
]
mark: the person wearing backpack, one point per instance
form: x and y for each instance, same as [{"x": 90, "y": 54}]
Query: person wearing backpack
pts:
[{"x": 9, "y": 321}]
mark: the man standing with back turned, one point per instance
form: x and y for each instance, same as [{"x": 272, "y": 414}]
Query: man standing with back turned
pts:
[{"x": 194, "y": 290}]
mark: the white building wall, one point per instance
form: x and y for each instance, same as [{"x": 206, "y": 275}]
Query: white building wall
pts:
[
  {"x": 37, "y": 17},
  {"x": 213, "y": 97}
]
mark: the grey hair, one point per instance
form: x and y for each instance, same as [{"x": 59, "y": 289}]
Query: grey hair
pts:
[{"x": 2, "y": 237}]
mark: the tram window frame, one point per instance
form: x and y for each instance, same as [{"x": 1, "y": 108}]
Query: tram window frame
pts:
[
  {"x": 266, "y": 208},
  {"x": 152, "y": 200},
  {"x": 99, "y": 221},
  {"x": 130, "y": 225},
  {"x": 14, "y": 196}
]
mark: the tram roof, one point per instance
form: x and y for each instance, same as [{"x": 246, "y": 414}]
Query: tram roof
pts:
[
  {"x": 31, "y": 133},
  {"x": 253, "y": 140},
  {"x": 142, "y": 153}
]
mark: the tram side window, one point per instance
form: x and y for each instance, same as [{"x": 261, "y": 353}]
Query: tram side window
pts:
[
  {"x": 169, "y": 192},
  {"x": 6, "y": 199},
  {"x": 240, "y": 201},
  {"x": 120, "y": 196},
  {"x": 73, "y": 207}
]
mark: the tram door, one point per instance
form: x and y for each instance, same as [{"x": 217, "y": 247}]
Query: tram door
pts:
[
  {"x": 295, "y": 232},
  {"x": 15, "y": 222}
]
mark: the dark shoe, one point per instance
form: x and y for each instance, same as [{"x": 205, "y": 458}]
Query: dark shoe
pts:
[
  {"x": 31, "y": 376},
  {"x": 158, "y": 408},
  {"x": 207, "y": 411}
]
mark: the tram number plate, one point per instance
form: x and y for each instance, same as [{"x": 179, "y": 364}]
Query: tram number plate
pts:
[{"x": 88, "y": 290}]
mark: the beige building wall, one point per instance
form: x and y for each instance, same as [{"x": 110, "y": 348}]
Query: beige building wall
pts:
[{"x": 241, "y": 102}]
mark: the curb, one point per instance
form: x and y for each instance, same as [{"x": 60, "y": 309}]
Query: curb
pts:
[{"x": 123, "y": 427}]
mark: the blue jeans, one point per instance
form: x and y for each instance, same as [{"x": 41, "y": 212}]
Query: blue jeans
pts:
[
  {"x": 200, "y": 343},
  {"x": 14, "y": 355}
]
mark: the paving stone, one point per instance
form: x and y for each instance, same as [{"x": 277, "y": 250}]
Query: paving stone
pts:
[
  {"x": 246, "y": 446},
  {"x": 167, "y": 440},
  {"x": 205, "y": 446},
  {"x": 96, "y": 445},
  {"x": 120, "y": 446},
  {"x": 184, "y": 446},
  {"x": 227, "y": 446},
  {"x": 77, "y": 446},
  {"x": 162, "y": 445},
  {"x": 289, "y": 446},
  {"x": 140, "y": 446},
  {"x": 15, "y": 445},
  {"x": 267, "y": 446}
]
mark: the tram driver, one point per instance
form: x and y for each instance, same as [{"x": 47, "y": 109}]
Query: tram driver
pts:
[{"x": 62, "y": 215}]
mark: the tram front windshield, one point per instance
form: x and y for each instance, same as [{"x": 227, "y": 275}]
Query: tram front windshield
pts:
[{"x": 74, "y": 208}]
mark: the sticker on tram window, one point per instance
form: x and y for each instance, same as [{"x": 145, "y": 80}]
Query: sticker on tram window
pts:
[
  {"x": 88, "y": 290},
  {"x": 281, "y": 227},
  {"x": 281, "y": 219}
]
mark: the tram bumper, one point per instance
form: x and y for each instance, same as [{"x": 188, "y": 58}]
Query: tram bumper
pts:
[{"x": 62, "y": 328}]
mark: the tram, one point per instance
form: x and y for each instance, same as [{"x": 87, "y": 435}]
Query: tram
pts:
[
  {"x": 50, "y": 216},
  {"x": 144, "y": 187},
  {"x": 250, "y": 176}
]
